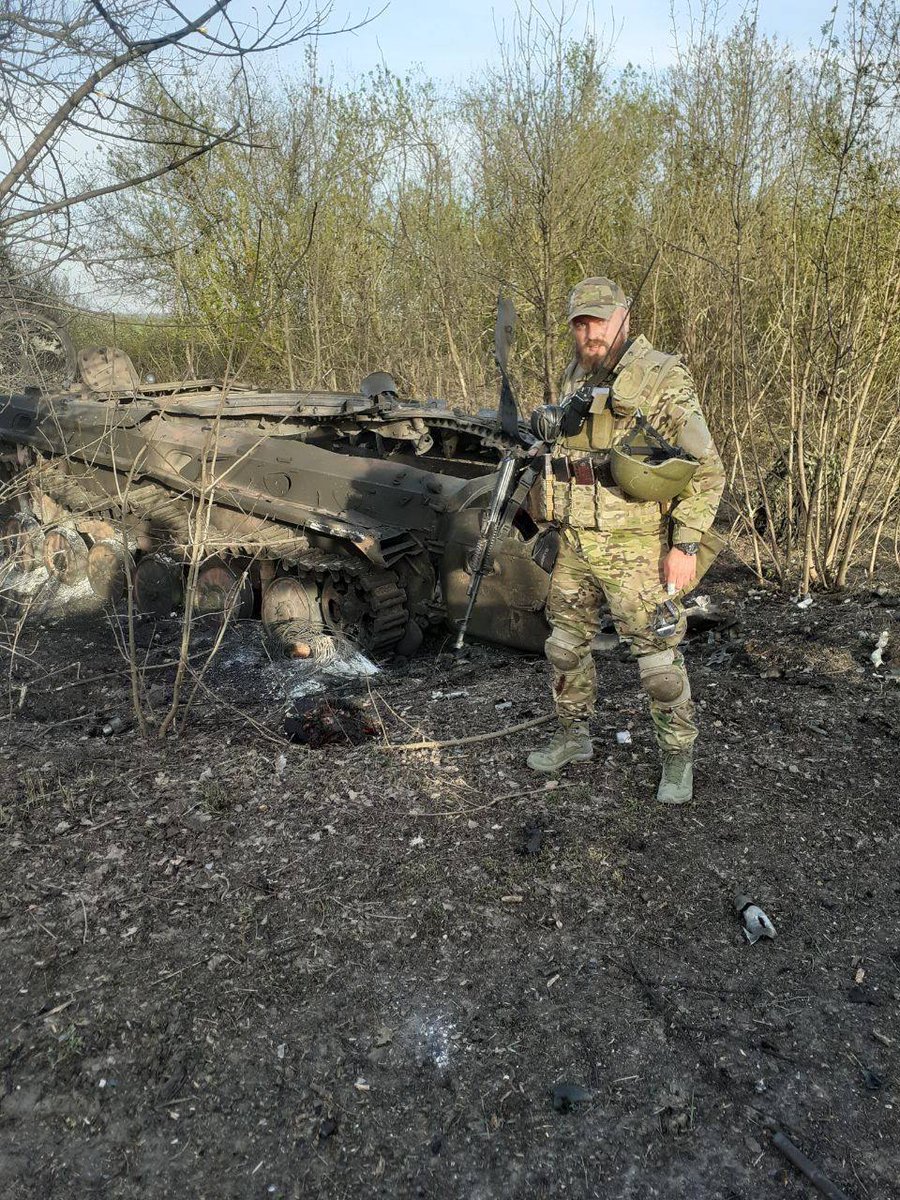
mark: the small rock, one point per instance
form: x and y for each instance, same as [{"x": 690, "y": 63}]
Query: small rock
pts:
[{"x": 532, "y": 839}]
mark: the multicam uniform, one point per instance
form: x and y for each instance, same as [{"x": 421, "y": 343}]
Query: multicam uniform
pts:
[{"x": 614, "y": 545}]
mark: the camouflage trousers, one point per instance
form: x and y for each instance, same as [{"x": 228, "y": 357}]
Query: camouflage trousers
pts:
[{"x": 626, "y": 568}]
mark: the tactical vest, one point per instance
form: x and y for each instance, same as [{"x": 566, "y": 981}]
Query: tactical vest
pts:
[{"x": 636, "y": 383}]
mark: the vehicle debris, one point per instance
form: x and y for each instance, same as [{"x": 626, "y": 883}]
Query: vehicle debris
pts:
[
  {"x": 756, "y": 922},
  {"x": 877, "y": 656},
  {"x": 330, "y": 512}
]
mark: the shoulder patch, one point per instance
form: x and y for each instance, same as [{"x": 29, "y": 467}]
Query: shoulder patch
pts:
[
  {"x": 662, "y": 361},
  {"x": 629, "y": 383},
  {"x": 638, "y": 381}
]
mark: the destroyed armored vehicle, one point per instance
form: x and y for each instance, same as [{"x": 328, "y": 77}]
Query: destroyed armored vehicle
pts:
[{"x": 352, "y": 512}]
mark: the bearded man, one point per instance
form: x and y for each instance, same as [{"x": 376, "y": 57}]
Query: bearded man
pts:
[{"x": 639, "y": 553}]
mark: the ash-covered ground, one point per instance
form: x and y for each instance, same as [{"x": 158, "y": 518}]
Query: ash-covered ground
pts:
[{"x": 235, "y": 966}]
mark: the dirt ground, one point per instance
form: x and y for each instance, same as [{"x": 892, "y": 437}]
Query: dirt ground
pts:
[{"x": 232, "y": 966}]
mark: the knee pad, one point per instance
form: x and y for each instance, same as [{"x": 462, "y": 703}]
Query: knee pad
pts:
[
  {"x": 664, "y": 680},
  {"x": 564, "y": 650}
]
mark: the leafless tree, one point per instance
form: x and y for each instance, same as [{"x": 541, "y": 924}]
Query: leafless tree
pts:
[{"x": 70, "y": 81}]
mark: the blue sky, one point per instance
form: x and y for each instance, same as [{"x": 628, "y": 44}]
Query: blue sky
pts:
[
  {"x": 455, "y": 39},
  {"x": 451, "y": 40}
]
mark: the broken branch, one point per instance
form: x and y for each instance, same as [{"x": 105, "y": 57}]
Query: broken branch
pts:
[{"x": 475, "y": 737}]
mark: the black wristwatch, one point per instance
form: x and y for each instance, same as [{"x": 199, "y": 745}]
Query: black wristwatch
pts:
[{"x": 687, "y": 547}]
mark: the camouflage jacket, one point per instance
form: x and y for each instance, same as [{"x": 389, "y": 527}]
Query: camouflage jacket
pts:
[{"x": 660, "y": 385}]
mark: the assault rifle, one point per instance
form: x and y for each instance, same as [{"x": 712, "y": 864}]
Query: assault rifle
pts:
[{"x": 514, "y": 478}]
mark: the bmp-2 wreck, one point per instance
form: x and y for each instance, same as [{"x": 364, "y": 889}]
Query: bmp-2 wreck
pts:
[{"x": 354, "y": 512}]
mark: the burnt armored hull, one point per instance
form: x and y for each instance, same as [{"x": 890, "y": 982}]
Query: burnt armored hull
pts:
[{"x": 366, "y": 505}]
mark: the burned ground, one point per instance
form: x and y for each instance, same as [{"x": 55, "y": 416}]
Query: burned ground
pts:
[{"x": 238, "y": 967}]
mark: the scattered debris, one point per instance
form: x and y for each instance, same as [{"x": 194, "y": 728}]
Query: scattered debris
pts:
[
  {"x": 877, "y": 655},
  {"x": 804, "y": 602},
  {"x": 623, "y": 737},
  {"x": 756, "y": 923},
  {"x": 704, "y": 615},
  {"x": 567, "y": 1095},
  {"x": 105, "y": 726}
]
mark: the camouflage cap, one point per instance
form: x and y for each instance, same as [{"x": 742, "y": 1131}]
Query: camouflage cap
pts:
[{"x": 596, "y": 297}]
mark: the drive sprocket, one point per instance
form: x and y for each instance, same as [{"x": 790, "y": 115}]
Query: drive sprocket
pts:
[{"x": 367, "y": 605}]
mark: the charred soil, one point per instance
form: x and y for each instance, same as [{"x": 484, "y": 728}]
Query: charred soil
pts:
[{"x": 237, "y": 966}]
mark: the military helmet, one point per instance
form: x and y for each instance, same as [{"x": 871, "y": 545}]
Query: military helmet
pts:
[
  {"x": 596, "y": 297},
  {"x": 653, "y": 476}
]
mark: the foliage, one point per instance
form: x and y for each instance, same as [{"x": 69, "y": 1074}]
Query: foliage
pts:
[{"x": 371, "y": 226}]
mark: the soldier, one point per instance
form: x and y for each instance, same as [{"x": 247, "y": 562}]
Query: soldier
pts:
[{"x": 630, "y": 526}]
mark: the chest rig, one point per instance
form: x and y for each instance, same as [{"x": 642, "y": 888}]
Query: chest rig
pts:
[
  {"x": 580, "y": 484},
  {"x": 579, "y": 472}
]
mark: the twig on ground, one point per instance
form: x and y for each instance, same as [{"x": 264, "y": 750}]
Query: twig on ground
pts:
[
  {"x": 807, "y": 1167},
  {"x": 97, "y": 825},
  {"x": 180, "y": 971},
  {"x": 118, "y": 674},
  {"x": 464, "y": 812},
  {"x": 390, "y": 709},
  {"x": 71, "y": 720},
  {"x": 476, "y": 737},
  {"x": 41, "y": 925},
  {"x": 384, "y": 733}
]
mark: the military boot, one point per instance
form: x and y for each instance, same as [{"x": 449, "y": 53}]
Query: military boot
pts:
[
  {"x": 570, "y": 743},
  {"x": 677, "y": 783}
]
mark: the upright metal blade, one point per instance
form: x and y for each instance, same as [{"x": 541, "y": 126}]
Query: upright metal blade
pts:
[{"x": 504, "y": 332}]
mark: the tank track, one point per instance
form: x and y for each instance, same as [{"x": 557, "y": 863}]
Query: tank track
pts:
[
  {"x": 381, "y": 606},
  {"x": 486, "y": 434}
]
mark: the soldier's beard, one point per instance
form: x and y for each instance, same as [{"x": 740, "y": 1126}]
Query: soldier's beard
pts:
[{"x": 592, "y": 357}]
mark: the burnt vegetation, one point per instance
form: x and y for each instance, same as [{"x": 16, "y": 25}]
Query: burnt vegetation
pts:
[{"x": 303, "y": 924}]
